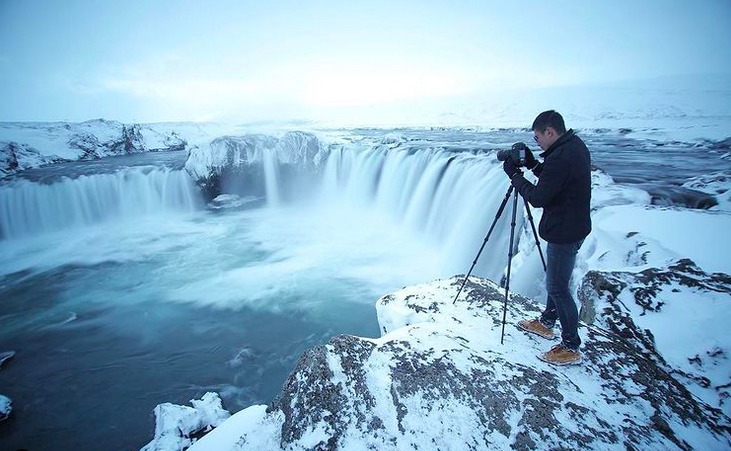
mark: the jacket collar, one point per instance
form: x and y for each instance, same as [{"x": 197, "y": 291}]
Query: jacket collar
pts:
[{"x": 559, "y": 142}]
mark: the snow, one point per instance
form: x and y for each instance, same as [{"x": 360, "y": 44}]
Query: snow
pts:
[
  {"x": 716, "y": 184},
  {"x": 682, "y": 108},
  {"x": 694, "y": 234},
  {"x": 5, "y": 407},
  {"x": 263, "y": 432},
  {"x": 174, "y": 424},
  {"x": 51, "y": 139},
  {"x": 686, "y": 109},
  {"x": 5, "y": 402}
]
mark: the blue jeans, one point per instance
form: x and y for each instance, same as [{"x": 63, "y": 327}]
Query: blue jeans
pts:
[{"x": 560, "y": 304}]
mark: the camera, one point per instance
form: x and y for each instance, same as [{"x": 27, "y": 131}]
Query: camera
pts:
[{"x": 516, "y": 153}]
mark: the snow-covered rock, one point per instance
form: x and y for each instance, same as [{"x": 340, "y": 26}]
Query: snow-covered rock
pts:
[
  {"x": 717, "y": 185},
  {"x": 230, "y": 201},
  {"x": 6, "y": 405},
  {"x": 225, "y": 155},
  {"x": 240, "y": 164},
  {"x": 439, "y": 378},
  {"x": 677, "y": 316},
  {"x": 29, "y": 144},
  {"x": 176, "y": 426},
  {"x": 16, "y": 157}
]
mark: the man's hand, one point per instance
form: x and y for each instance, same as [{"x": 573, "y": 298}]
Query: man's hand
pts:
[
  {"x": 530, "y": 160},
  {"x": 510, "y": 167}
]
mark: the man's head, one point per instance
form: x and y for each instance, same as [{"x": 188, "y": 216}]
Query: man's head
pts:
[{"x": 547, "y": 128}]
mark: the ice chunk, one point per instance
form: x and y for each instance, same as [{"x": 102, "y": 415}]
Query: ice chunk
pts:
[
  {"x": 5, "y": 407},
  {"x": 176, "y": 425}
]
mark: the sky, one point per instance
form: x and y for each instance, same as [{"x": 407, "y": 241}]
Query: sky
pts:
[{"x": 219, "y": 60}]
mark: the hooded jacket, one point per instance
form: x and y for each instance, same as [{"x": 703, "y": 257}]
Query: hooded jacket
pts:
[{"x": 563, "y": 190}]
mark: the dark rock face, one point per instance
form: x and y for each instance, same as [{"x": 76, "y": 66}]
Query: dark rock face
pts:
[
  {"x": 130, "y": 142},
  {"x": 439, "y": 379},
  {"x": 9, "y": 154},
  {"x": 88, "y": 145},
  {"x": 91, "y": 147}
]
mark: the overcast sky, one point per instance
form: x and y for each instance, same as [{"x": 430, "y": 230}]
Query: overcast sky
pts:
[{"x": 147, "y": 61}]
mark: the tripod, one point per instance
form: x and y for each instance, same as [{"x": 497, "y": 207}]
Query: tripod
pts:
[{"x": 511, "y": 190}]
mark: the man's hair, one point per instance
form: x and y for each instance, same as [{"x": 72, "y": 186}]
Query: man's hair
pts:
[{"x": 551, "y": 119}]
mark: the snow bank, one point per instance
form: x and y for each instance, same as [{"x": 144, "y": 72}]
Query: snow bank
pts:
[{"x": 637, "y": 236}]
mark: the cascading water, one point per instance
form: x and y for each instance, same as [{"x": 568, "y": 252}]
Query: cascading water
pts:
[
  {"x": 447, "y": 198},
  {"x": 271, "y": 178},
  {"x": 29, "y": 208}
]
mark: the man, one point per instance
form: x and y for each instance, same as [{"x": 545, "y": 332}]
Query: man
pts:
[{"x": 564, "y": 192}]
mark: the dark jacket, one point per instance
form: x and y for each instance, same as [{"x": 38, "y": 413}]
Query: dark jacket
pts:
[{"x": 563, "y": 190}]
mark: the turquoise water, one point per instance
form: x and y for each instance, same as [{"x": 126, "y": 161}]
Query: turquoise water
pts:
[{"x": 110, "y": 320}]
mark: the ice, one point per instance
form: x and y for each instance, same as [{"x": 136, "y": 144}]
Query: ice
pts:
[
  {"x": 175, "y": 425},
  {"x": 5, "y": 407}
]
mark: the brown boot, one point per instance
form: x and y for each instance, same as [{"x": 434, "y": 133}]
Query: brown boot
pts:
[
  {"x": 535, "y": 326},
  {"x": 560, "y": 355}
]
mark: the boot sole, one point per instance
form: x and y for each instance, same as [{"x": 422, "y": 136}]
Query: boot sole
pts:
[
  {"x": 530, "y": 331},
  {"x": 551, "y": 362}
]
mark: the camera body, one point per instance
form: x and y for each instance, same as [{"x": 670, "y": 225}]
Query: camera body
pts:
[{"x": 515, "y": 153}]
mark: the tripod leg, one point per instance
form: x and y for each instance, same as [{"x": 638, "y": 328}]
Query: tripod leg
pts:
[
  {"x": 487, "y": 237},
  {"x": 535, "y": 234},
  {"x": 510, "y": 261}
]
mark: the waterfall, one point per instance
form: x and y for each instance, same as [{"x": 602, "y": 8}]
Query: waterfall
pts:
[
  {"x": 271, "y": 178},
  {"x": 445, "y": 197},
  {"x": 28, "y": 208}
]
